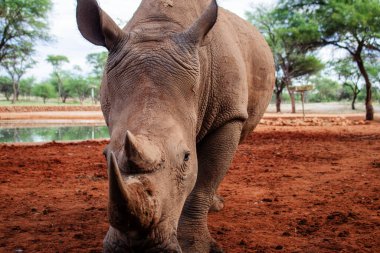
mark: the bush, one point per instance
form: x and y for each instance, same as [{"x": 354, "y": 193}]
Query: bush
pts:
[
  {"x": 26, "y": 86},
  {"x": 326, "y": 90},
  {"x": 44, "y": 91},
  {"x": 77, "y": 87},
  {"x": 6, "y": 87}
]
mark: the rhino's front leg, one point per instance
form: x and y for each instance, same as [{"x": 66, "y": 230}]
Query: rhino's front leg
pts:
[{"x": 215, "y": 155}]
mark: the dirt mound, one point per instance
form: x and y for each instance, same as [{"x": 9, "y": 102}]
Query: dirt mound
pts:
[
  {"x": 286, "y": 191},
  {"x": 48, "y": 108}
]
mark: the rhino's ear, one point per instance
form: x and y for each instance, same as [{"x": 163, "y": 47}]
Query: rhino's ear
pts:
[
  {"x": 197, "y": 33},
  {"x": 96, "y": 26}
]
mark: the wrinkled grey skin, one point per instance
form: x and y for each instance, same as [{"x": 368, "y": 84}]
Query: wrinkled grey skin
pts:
[{"x": 185, "y": 82}]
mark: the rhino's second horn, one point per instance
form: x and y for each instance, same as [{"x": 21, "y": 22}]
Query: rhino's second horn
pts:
[{"x": 141, "y": 152}]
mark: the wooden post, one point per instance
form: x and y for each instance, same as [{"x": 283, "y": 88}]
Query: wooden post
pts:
[
  {"x": 303, "y": 104},
  {"x": 302, "y": 90}
]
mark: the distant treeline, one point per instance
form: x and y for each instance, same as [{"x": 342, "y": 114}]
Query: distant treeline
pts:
[{"x": 345, "y": 34}]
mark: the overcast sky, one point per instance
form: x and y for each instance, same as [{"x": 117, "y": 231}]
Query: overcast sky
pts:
[{"x": 69, "y": 42}]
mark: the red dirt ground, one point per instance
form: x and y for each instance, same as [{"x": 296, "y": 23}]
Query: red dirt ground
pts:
[
  {"x": 40, "y": 108},
  {"x": 289, "y": 189}
]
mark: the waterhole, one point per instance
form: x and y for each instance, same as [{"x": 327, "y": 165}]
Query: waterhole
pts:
[{"x": 47, "y": 134}]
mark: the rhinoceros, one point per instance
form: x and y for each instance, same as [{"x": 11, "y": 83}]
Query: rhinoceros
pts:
[{"x": 185, "y": 82}]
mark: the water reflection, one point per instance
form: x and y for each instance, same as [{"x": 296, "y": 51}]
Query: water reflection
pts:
[{"x": 46, "y": 134}]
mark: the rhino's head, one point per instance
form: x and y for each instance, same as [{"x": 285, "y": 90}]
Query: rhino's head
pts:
[{"x": 150, "y": 99}]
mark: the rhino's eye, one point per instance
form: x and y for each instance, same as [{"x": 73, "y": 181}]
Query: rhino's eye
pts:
[{"x": 186, "y": 156}]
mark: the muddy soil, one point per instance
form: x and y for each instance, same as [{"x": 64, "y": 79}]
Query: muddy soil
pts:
[{"x": 289, "y": 189}]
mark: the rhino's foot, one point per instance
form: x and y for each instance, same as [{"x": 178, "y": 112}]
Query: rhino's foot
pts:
[
  {"x": 194, "y": 236},
  {"x": 215, "y": 248},
  {"x": 200, "y": 244},
  {"x": 217, "y": 204}
]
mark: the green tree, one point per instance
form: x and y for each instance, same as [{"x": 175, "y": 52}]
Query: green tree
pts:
[
  {"x": 26, "y": 86},
  {"x": 98, "y": 62},
  {"x": 16, "y": 65},
  {"x": 22, "y": 22},
  {"x": 53, "y": 81},
  {"x": 373, "y": 67},
  {"x": 6, "y": 87},
  {"x": 350, "y": 75},
  {"x": 44, "y": 90},
  {"x": 326, "y": 90},
  {"x": 57, "y": 61},
  {"x": 286, "y": 35},
  {"x": 350, "y": 25},
  {"x": 77, "y": 86}
]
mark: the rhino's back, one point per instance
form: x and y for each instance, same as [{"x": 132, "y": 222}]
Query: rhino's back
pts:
[{"x": 243, "y": 66}]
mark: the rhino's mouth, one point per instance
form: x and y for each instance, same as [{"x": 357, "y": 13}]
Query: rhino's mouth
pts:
[
  {"x": 134, "y": 215},
  {"x": 115, "y": 241}
]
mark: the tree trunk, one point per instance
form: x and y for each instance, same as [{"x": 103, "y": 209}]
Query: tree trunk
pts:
[
  {"x": 353, "y": 101},
  {"x": 278, "y": 101},
  {"x": 288, "y": 83},
  {"x": 293, "y": 100},
  {"x": 59, "y": 85},
  {"x": 303, "y": 104},
  {"x": 14, "y": 92},
  {"x": 368, "y": 99},
  {"x": 279, "y": 87}
]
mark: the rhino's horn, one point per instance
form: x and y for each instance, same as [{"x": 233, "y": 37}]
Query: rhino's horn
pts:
[
  {"x": 130, "y": 206},
  {"x": 118, "y": 190},
  {"x": 141, "y": 151}
]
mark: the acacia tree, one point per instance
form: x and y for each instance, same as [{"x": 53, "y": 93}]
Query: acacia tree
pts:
[
  {"x": 350, "y": 25},
  {"x": 286, "y": 35},
  {"x": 98, "y": 62},
  {"x": 26, "y": 86},
  {"x": 373, "y": 68},
  {"x": 22, "y": 22},
  {"x": 44, "y": 90},
  {"x": 78, "y": 87},
  {"x": 78, "y": 84},
  {"x": 57, "y": 61},
  {"x": 6, "y": 87},
  {"x": 16, "y": 65},
  {"x": 326, "y": 89},
  {"x": 351, "y": 77}
]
